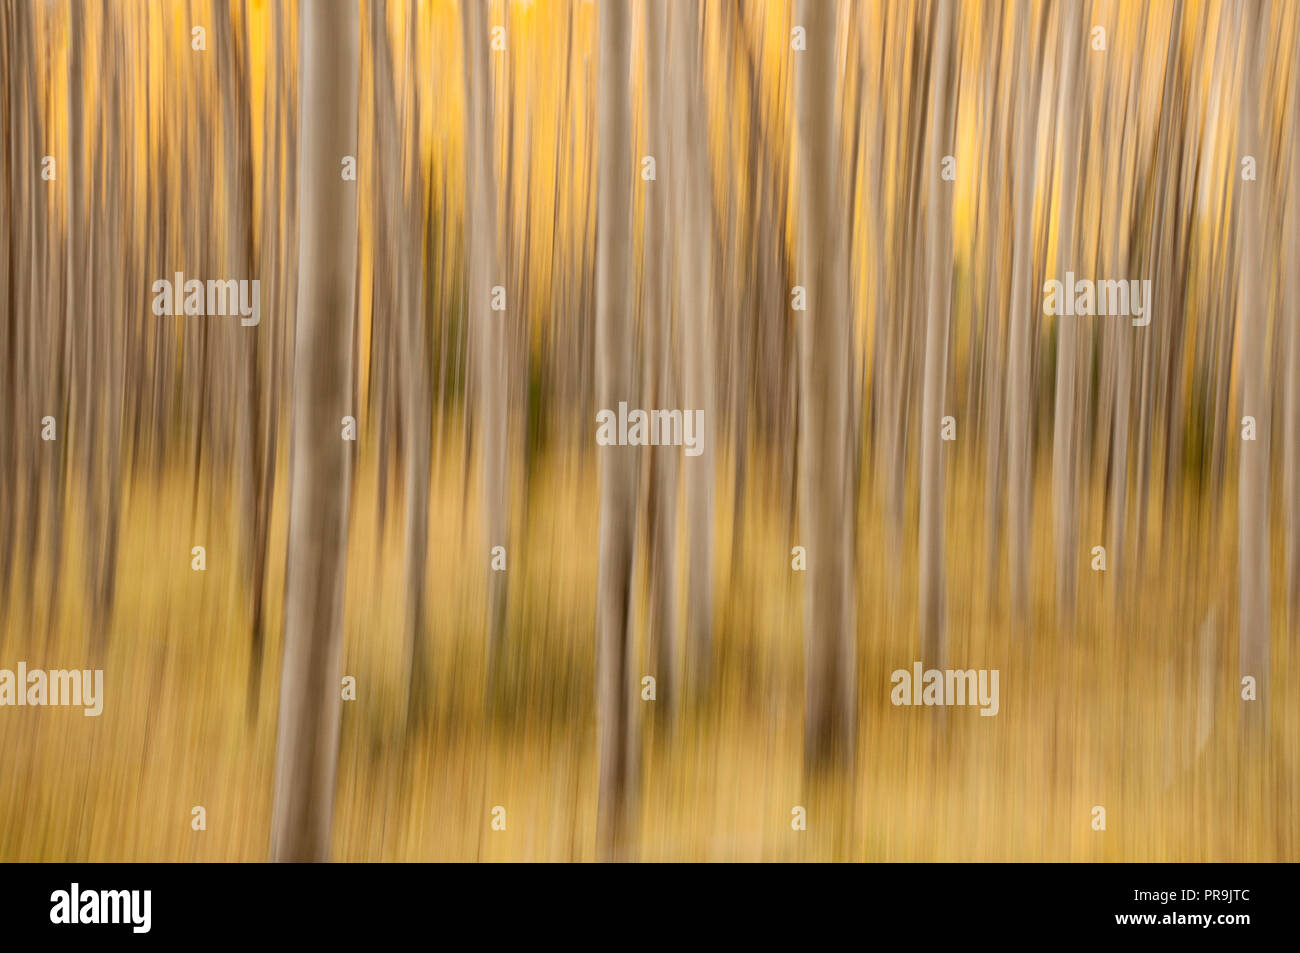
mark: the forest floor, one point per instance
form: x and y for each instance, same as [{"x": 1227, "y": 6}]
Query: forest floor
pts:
[{"x": 1136, "y": 711}]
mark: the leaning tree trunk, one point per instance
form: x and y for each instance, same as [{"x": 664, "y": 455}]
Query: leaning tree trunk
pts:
[
  {"x": 614, "y": 375},
  {"x": 307, "y": 746},
  {"x": 826, "y": 512}
]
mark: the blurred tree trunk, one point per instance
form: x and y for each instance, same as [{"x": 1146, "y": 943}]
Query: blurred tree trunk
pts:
[
  {"x": 88, "y": 345},
  {"x": 892, "y": 321},
  {"x": 826, "y": 341},
  {"x": 398, "y": 297},
  {"x": 661, "y": 520},
  {"x": 271, "y": 272},
  {"x": 1166, "y": 308},
  {"x": 384, "y": 172},
  {"x": 74, "y": 282},
  {"x": 934, "y": 646},
  {"x": 1159, "y": 264},
  {"x": 249, "y": 345},
  {"x": 30, "y": 292},
  {"x": 1292, "y": 297},
  {"x": 1020, "y": 477},
  {"x": 694, "y": 210},
  {"x": 1252, "y": 331},
  {"x": 13, "y": 220},
  {"x": 109, "y": 352},
  {"x": 487, "y": 327},
  {"x": 995, "y": 160},
  {"x": 307, "y": 743},
  {"x": 414, "y": 371},
  {"x": 1122, "y": 339},
  {"x": 1065, "y": 479},
  {"x": 614, "y": 373}
]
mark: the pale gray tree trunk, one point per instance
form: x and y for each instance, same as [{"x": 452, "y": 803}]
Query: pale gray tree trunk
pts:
[
  {"x": 487, "y": 327},
  {"x": 693, "y": 195},
  {"x": 661, "y": 637},
  {"x": 1252, "y": 486},
  {"x": 618, "y": 465},
  {"x": 1020, "y": 483},
  {"x": 74, "y": 283},
  {"x": 826, "y": 342},
  {"x": 993, "y": 175},
  {"x": 938, "y": 280},
  {"x": 307, "y": 743}
]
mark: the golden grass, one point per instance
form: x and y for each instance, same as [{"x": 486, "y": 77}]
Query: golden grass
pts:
[{"x": 1104, "y": 717}]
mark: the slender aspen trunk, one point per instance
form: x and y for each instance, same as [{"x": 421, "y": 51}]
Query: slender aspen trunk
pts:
[
  {"x": 1065, "y": 478},
  {"x": 487, "y": 327},
  {"x": 826, "y": 340},
  {"x": 934, "y": 647},
  {"x": 661, "y": 638},
  {"x": 694, "y": 203},
  {"x": 308, "y": 736},
  {"x": 990, "y": 411},
  {"x": 618, "y": 465},
  {"x": 1020, "y": 484},
  {"x": 1292, "y": 447},
  {"x": 1252, "y": 331}
]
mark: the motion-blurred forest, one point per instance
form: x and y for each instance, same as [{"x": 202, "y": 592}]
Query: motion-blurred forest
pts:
[{"x": 740, "y": 206}]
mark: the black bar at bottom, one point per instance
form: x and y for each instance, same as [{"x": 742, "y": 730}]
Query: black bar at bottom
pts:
[{"x": 334, "y": 903}]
